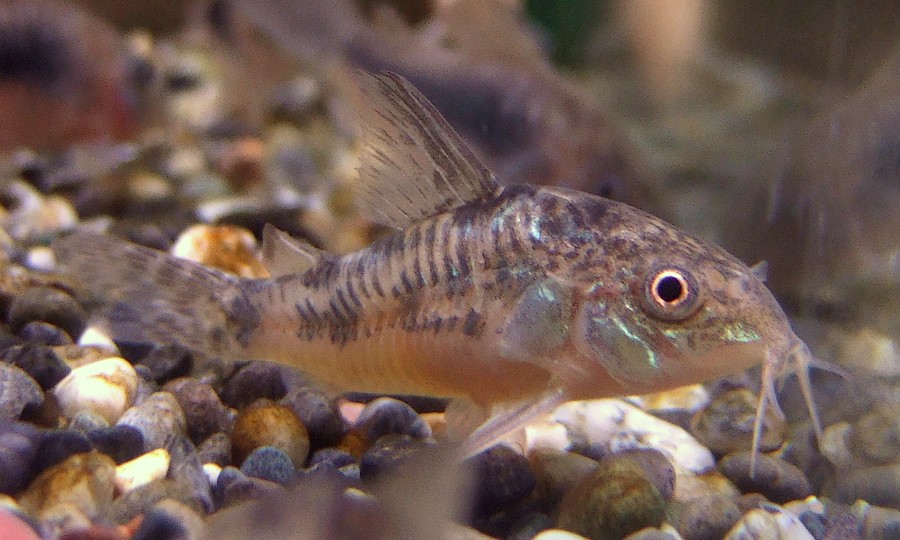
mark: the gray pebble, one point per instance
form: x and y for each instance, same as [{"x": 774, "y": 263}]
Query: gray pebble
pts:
[
  {"x": 216, "y": 449},
  {"x": 167, "y": 362},
  {"x": 44, "y": 333},
  {"x": 502, "y": 478},
  {"x": 385, "y": 416},
  {"x": 557, "y": 472},
  {"x": 876, "y": 485},
  {"x": 17, "y": 391},
  {"x": 726, "y": 423},
  {"x": 704, "y": 518},
  {"x": 58, "y": 446},
  {"x": 384, "y": 456},
  {"x": 122, "y": 443},
  {"x": 655, "y": 465},
  {"x": 169, "y": 520},
  {"x": 256, "y": 380},
  {"x": 331, "y": 457},
  {"x": 19, "y": 443},
  {"x": 44, "y": 365},
  {"x": 48, "y": 305},
  {"x": 88, "y": 421},
  {"x": 186, "y": 466},
  {"x": 140, "y": 499},
  {"x": 204, "y": 412},
  {"x": 156, "y": 418},
  {"x": 876, "y": 436},
  {"x": 318, "y": 412},
  {"x": 778, "y": 480},
  {"x": 269, "y": 463}
]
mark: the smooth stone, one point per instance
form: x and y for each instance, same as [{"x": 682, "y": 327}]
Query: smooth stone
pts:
[
  {"x": 204, "y": 412},
  {"x": 187, "y": 467},
  {"x": 319, "y": 413},
  {"x": 867, "y": 351},
  {"x": 141, "y": 499},
  {"x": 617, "y": 425},
  {"x": 269, "y": 463},
  {"x": 142, "y": 470},
  {"x": 58, "y": 446},
  {"x": 847, "y": 526},
  {"x": 48, "y": 305},
  {"x": 170, "y": 520},
  {"x": 95, "y": 337},
  {"x": 256, "y": 380},
  {"x": 156, "y": 418},
  {"x": 44, "y": 333},
  {"x": 617, "y": 499},
  {"x": 556, "y": 472},
  {"x": 386, "y": 455},
  {"x": 876, "y": 485},
  {"x": 87, "y": 421},
  {"x": 17, "y": 391},
  {"x": 225, "y": 247},
  {"x": 778, "y": 480},
  {"x": 105, "y": 387},
  {"x": 389, "y": 416},
  {"x": 84, "y": 481},
  {"x": 227, "y": 476},
  {"x": 122, "y": 443},
  {"x": 726, "y": 424},
  {"x": 216, "y": 449},
  {"x": 875, "y": 436},
  {"x": 771, "y": 522},
  {"x": 704, "y": 518},
  {"x": 878, "y": 523},
  {"x": 653, "y": 533},
  {"x": 816, "y": 524},
  {"x": 529, "y": 525},
  {"x": 269, "y": 424},
  {"x": 836, "y": 446},
  {"x": 248, "y": 488},
  {"x": 19, "y": 443},
  {"x": 653, "y": 463},
  {"x": 331, "y": 457},
  {"x": 502, "y": 478},
  {"x": 40, "y": 362},
  {"x": 558, "y": 534},
  {"x": 168, "y": 362}
]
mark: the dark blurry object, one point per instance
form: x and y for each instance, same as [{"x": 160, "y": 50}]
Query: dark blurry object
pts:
[
  {"x": 569, "y": 24},
  {"x": 63, "y": 78},
  {"x": 479, "y": 63},
  {"x": 830, "y": 225}
]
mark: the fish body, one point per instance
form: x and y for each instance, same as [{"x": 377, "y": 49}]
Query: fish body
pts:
[{"x": 512, "y": 299}]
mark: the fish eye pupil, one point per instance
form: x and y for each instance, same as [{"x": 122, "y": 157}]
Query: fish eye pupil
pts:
[{"x": 669, "y": 288}]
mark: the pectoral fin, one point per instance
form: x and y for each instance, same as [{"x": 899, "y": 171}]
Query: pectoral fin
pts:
[
  {"x": 539, "y": 323},
  {"x": 506, "y": 418}
]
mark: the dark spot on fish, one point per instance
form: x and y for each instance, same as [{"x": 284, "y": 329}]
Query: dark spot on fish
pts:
[
  {"x": 473, "y": 324},
  {"x": 243, "y": 317}
]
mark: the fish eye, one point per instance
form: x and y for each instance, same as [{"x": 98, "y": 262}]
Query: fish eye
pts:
[{"x": 671, "y": 294}]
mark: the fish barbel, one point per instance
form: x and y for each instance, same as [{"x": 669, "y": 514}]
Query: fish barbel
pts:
[{"x": 509, "y": 300}]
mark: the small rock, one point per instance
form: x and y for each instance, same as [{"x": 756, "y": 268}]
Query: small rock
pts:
[
  {"x": 270, "y": 464},
  {"x": 141, "y": 499},
  {"x": 268, "y": 424},
  {"x": 771, "y": 522},
  {"x": 617, "y": 499},
  {"x": 876, "y": 485},
  {"x": 47, "y": 304},
  {"x": 318, "y": 413},
  {"x": 778, "y": 480},
  {"x": 43, "y": 333},
  {"x": 225, "y": 247},
  {"x": 726, "y": 424},
  {"x": 203, "y": 410},
  {"x": 386, "y": 416},
  {"x": 156, "y": 418},
  {"x": 17, "y": 391},
  {"x": 122, "y": 443},
  {"x": 815, "y": 523},
  {"x": 704, "y": 518},
  {"x": 87, "y": 421},
  {"x": 142, "y": 470},
  {"x": 385, "y": 455},
  {"x": 331, "y": 457},
  {"x": 170, "y": 520},
  {"x": 40, "y": 362},
  {"x": 216, "y": 449},
  {"x": 84, "y": 481},
  {"x": 558, "y": 534},
  {"x": 876, "y": 436},
  {"x": 557, "y": 472},
  {"x": 653, "y": 533},
  {"x": 19, "y": 443},
  {"x": 254, "y": 381},
  {"x": 502, "y": 477},
  {"x": 105, "y": 387},
  {"x": 187, "y": 468},
  {"x": 836, "y": 446},
  {"x": 878, "y": 523},
  {"x": 847, "y": 526},
  {"x": 58, "y": 446},
  {"x": 167, "y": 362}
]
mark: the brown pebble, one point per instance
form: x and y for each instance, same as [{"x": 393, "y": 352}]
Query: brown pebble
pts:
[
  {"x": 726, "y": 424},
  {"x": 267, "y": 424}
]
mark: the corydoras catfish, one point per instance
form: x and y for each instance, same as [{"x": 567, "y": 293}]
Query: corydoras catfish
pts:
[{"x": 509, "y": 300}]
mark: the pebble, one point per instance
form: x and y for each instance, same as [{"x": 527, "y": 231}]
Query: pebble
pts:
[
  {"x": 770, "y": 522},
  {"x": 43, "y": 333},
  {"x": 17, "y": 391},
  {"x": 157, "y": 417},
  {"x": 319, "y": 413},
  {"x": 58, "y": 446},
  {"x": 204, "y": 412},
  {"x": 726, "y": 424},
  {"x": 140, "y": 499},
  {"x": 40, "y": 362},
  {"x": 556, "y": 472},
  {"x": 876, "y": 485},
  {"x": 389, "y": 416},
  {"x": 49, "y": 305},
  {"x": 835, "y": 445},
  {"x": 170, "y": 520},
  {"x": 106, "y": 387},
  {"x": 187, "y": 467},
  {"x": 778, "y": 480},
  {"x": 384, "y": 456},
  {"x": 269, "y": 463},
  {"x": 167, "y": 362},
  {"x": 216, "y": 449},
  {"x": 269, "y": 424},
  {"x": 875, "y": 436},
  {"x": 617, "y": 499},
  {"x": 331, "y": 457},
  {"x": 84, "y": 482},
  {"x": 704, "y": 518},
  {"x": 877, "y": 523},
  {"x": 502, "y": 477},
  {"x": 868, "y": 351},
  {"x": 19, "y": 443},
  {"x": 122, "y": 443},
  {"x": 87, "y": 421},
  {"x": 254, "y": 381},
  {"x": 558, "y": 534},
  {"x": 616, "y": 425},
  {"x": 225, "y": 247},
  {"x": 142, "y": 470}
]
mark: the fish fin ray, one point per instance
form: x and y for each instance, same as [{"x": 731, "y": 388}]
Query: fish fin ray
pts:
[
  {"x": 505, "y": 418},
  {"x": 285, "y": 255}
]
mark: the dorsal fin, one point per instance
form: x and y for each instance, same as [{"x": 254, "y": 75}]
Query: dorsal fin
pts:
[
  {"x": 283, "y": 255},
  {"x": 414, "y": 165}
]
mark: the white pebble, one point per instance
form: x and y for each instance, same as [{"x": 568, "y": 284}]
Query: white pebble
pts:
[
  {"x": 834, "y": 445},
  {"x": 768, "y": 523},
  {"x": 156, "y": 418},
  {"x": 621, "y": 426},
  {"x": 558, "y": 534},
  {"x": 212, "y": 472},
  {"x": 546, "y": 436},
  {"x": 142, "y": 470},
  {"x": 93, "y": 336},
  {"x": 105, "y": 387}
]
